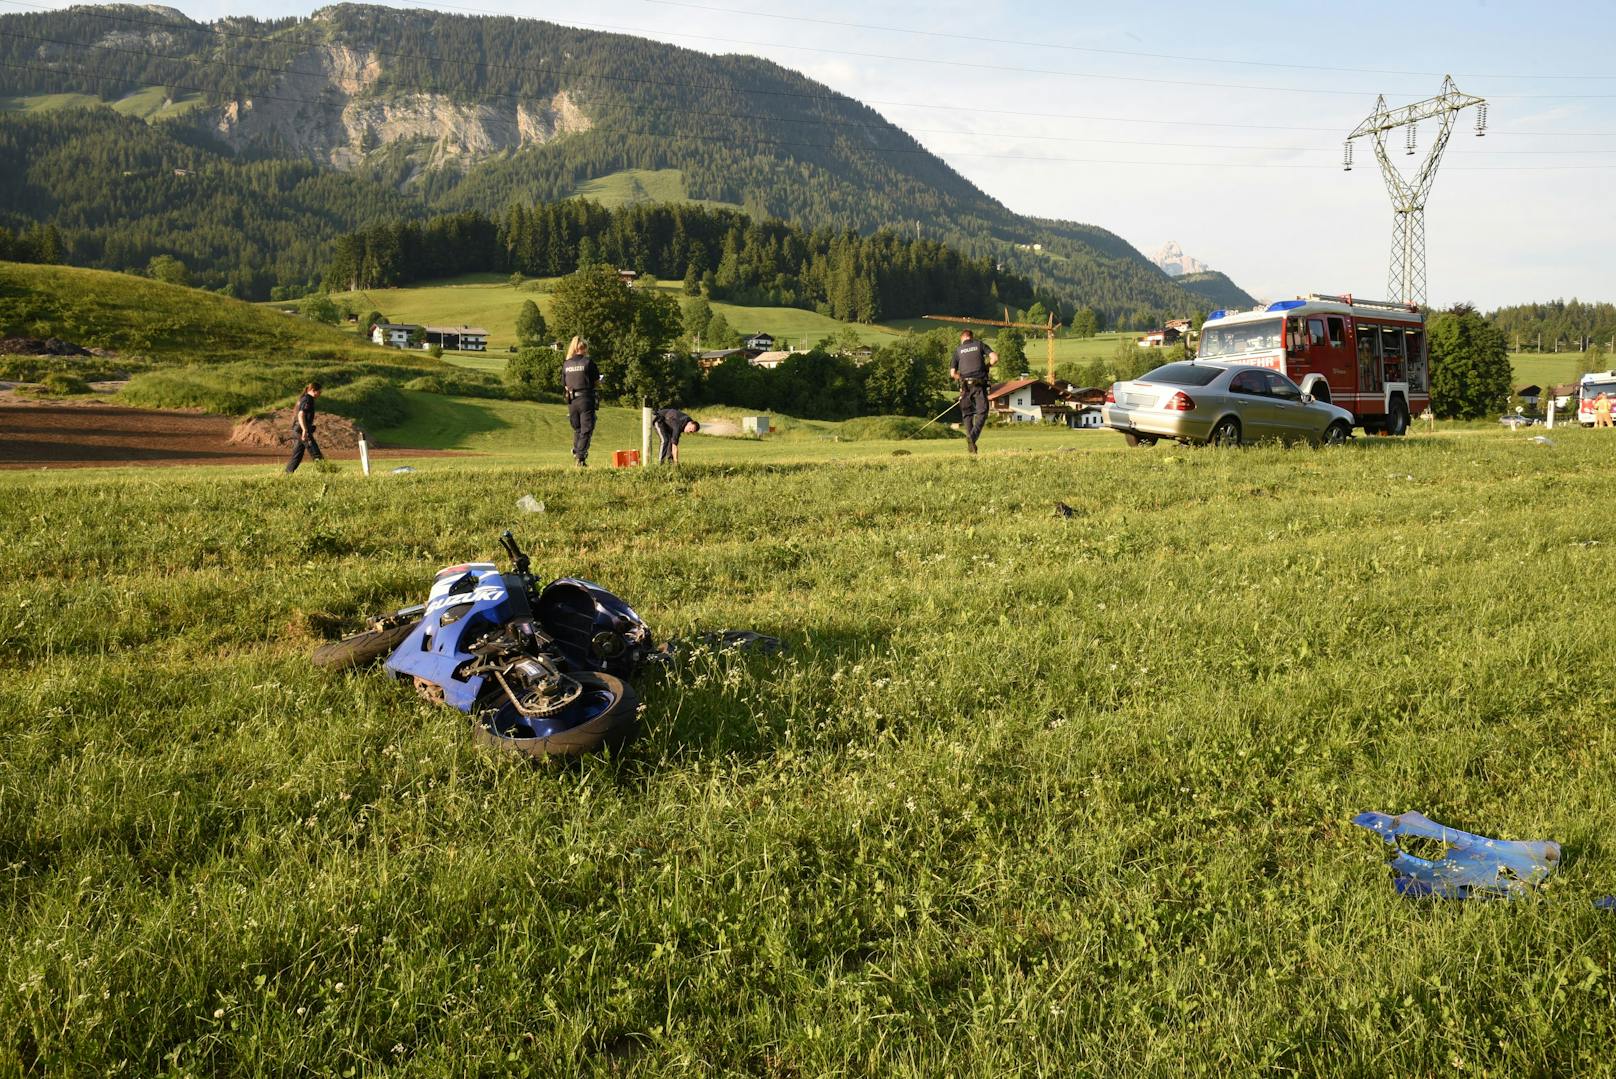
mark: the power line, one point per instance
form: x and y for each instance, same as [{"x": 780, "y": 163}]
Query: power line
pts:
[
  {"x": 200, "y": 28},
  {"x": 990, "y": 67},
  {"x": 787, "y": 144},
  {"x": 1023, "y": 44}
]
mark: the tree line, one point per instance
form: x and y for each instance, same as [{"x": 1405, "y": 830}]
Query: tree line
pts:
[{"x": 721, "y": 253}]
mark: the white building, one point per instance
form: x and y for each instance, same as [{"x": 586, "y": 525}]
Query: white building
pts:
[{"x": 393, "y": 334}]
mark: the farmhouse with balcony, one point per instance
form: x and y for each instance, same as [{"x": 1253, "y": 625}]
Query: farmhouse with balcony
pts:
[
  {"x": 394, "y": 334},
  {"x": 458, "y": 338},
  {"x": 1032, "y": 400}
]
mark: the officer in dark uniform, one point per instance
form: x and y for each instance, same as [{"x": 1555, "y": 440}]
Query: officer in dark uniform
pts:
[
  {"x": 303, "y": 428},
  {"x": 670, "y": 423},
  {"x": 970, "y": 369},
  {"x": 580, "y": 381}
]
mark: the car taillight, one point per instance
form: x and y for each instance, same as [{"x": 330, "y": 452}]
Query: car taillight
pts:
[
  {"x": 1111, "y": 396},
  {"x": 1179, "y": 402}
]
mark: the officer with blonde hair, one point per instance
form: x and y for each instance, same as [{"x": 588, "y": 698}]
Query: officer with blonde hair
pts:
[{"x": 580, "y": 383}]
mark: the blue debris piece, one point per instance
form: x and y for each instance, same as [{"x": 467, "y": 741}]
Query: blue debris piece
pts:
[
  {"x": 1472, "y": 867},
  {"x": 1606, "y": 902}
]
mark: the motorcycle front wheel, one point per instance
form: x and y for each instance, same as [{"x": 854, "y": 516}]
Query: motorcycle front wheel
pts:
[
  {"x": 603, "y": 713},
  {"x": 360, "y": 648}
]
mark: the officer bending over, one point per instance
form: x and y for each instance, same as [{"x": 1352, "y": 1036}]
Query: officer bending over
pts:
[
  {"x": 970, "y": 369},
  {"x": 580, "y": 383},
  {"x": 670, "y": 423}
]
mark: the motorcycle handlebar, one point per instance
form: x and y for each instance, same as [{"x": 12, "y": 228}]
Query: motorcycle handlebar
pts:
[{"x": 519, "y": 560}]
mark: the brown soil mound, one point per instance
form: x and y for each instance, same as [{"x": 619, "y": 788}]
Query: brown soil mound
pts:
[
  {"x": 275, "y": 430},
  {"x": 37, "y": 433}
]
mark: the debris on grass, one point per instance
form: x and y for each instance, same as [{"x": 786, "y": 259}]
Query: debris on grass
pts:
[
  {"x": 402, "y": 470},
  {"x": 1470, "y": 866},
  {"x": 529, "y": 504}
]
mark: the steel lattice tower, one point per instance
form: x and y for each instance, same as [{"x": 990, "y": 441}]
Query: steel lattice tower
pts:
[{"x": 1406, "y": 279}]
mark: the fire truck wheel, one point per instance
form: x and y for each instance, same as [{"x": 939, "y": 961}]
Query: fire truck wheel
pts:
[
  {"x": 1138, "y": 440},
  {"x": 1397, "y": 418},
  {"x": 1337, "y": 433},
  {"x": 1226, "y": 433}
]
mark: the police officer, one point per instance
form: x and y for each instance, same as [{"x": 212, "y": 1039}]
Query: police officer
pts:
[
  {"x": 303, "y": 428},
  {"x": 970, "y": 369},
  {"x": 580, "y": 381},
  {"x": 670, "y": 423}
]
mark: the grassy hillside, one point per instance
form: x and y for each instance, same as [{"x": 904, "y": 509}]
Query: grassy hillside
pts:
[
  {"x": 165, "y": 323},
  {"x": 633, "y": 186},
  {"x": 491, "y": 302},
  {"x": 148, "y": 103},
  {"x": 1030, "y": 794}
]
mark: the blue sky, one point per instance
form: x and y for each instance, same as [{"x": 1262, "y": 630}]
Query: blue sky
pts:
[{"x": 1161, "y": 122}]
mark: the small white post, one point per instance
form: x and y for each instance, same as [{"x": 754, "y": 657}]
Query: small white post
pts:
[
  {"x": 1550, "y": 423},
  {"x": 364, "y": 455},
  {"x": 645, "y": 436}
]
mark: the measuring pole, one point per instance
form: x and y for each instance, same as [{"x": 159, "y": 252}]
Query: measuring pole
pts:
[
  {"x": 1047, "y": 329},
  {"x": 645, "y": 434}
]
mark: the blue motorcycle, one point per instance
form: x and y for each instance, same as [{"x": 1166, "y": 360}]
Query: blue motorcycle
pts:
[{"x": 543, "y": 669}]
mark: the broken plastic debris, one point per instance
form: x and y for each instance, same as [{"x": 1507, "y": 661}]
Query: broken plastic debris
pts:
[
  {"x": 1543, "y": 440},
  {"x": 1472, "y": 866},
  {"x": 529, "y": 504},
  {"x": 402, "y": 469}
]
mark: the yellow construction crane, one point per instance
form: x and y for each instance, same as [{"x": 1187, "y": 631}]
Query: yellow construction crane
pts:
[{"x": 1048, "y": 330}]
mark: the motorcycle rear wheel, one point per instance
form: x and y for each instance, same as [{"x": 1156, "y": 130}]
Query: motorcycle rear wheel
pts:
[
  {"x": 360, "y": 648},
  {"x": 604, "y": 713}
]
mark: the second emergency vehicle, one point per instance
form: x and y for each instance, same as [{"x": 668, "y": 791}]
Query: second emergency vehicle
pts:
[{"x": 1366, "y": 356}]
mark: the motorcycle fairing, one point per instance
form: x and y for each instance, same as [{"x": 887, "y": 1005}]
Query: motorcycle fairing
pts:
[
  {"x": 466, "y": 603},
  {"x": 1472, "y": 867}
]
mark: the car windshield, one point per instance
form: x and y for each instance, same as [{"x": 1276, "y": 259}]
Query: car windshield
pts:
[
  {"x": 1590, "y": 390},
  {"x": 1183, "y": 374},
  {"x": 1218, "y": 342}
]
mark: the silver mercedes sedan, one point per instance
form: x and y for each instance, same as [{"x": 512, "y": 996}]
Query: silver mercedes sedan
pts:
[{"x": 1220, "y": 404}]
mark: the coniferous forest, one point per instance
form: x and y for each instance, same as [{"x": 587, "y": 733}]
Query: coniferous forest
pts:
[{"x": 724, "y": 253}]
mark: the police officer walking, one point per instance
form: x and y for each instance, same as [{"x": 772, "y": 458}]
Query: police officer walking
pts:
[
  {"x": 580, "y": 381},
  {"x": 669, "y": 424},
  {"x": 303, "y": 428},
  {"x": 970, "y": 369}
]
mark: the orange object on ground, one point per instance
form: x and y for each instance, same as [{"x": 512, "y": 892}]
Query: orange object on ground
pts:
[{"x": 625, "y": 458}]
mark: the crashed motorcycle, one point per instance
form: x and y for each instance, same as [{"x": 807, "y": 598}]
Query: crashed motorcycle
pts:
[{"x": 542, "y": 668}]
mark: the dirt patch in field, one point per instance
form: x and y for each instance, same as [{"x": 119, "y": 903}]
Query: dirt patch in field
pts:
[
  {"x": 68, "y": 433},
  {"x": 274, "y": 430}
]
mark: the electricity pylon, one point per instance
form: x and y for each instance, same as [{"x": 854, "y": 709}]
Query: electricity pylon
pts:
[{"x": 1406, "y": 280}]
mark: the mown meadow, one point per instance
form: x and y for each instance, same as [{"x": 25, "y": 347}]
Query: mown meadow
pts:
[{"x": 1029, "y": 794}]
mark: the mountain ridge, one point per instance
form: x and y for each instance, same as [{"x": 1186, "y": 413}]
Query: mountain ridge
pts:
[{"x": 352, "y": 90}]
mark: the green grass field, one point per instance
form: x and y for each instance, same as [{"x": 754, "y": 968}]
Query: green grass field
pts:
[
  {"x": 148, "y": 103},
  {"x": 490, "y": 301},
  {"x": 1030, "y": 794}
]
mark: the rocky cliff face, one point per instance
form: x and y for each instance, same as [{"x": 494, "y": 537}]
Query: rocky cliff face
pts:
[
  {"x": 1175, "y": 263},
  {"x": 326, "y": 111}
]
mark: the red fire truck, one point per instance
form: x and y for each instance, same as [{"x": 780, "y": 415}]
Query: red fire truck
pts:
[{"x": 1366, "y": 356}]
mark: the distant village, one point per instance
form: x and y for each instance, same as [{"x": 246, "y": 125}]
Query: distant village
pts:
[{"x": 1023, "y": 400}]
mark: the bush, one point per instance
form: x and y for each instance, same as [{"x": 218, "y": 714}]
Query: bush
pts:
[
  {"x": 371, "y": 401},
  {"x": 61, "y": 384},
  {"x": 534, "y": 374},
  {"x": 468, "y": 384}
]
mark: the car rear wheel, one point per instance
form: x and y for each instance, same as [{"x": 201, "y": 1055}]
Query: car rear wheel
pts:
[
  {"x": 1337, "y": 433},
  {"x": 1138, "y": 440},
  {"x": 1226, "y": 433}
]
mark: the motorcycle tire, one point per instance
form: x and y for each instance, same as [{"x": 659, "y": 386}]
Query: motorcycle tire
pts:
[
  {"x": 604, "y": 713},
  {"x": 360, "y": 648}
]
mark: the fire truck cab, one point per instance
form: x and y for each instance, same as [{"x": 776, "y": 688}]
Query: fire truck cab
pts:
[
  {"x": 1589, "y": 387},
  {"x": 1366, "y": 356}
]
